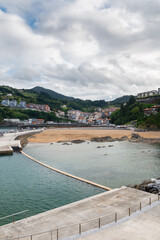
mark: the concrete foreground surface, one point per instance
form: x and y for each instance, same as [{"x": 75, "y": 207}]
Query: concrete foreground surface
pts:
[
  {"x": 145, "y": 226},
  {"x": 87, "y": 209}
]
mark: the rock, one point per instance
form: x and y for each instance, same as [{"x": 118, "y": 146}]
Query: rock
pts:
[
  {"x": 124, "y": 138},
  {"x": 110, "y": 145},
  {"x": 77, "y": 141},
  {"x": 136, "y": 138},
  {"x": 151, "y": 186},
  {"x": 102, "y": 139},
  {"x": 51, "y": 143},
  {"x": 101, "y": 146},
  {"x": 65, "y": 143}
]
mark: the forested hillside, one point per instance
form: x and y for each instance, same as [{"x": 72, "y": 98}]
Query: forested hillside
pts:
[{"x": 134, "y": 110}]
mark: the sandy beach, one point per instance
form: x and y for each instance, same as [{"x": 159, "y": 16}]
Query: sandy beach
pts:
[{"x": 69, "y": 134}]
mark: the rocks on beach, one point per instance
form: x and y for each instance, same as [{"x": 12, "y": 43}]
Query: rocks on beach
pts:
[
  {"x": 66, "y": 143},
  {"x": 137, "y": 138},
  {"x": 77, "y": 141},
  {"x": 151, "y": 186},
  {"x": 101, "y": 146},
  {"x": 108, "y": 139}
]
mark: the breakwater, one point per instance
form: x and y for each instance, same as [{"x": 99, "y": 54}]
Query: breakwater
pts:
[
  {"x": 10, "y": 142},
  {"x": 67, "y": 174}
]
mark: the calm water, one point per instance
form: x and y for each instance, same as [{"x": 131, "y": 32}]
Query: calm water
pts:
[
  {"x": 4, "y": 129},
  {"x": 122, "y": 164},
  {"x": 27, "y": 185}
]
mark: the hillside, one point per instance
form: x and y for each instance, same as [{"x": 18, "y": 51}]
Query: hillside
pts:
[
  {"x": 51, "y": 93},
  {"x": 55, "y": 100},
  {"x": 134, "y": 111},
  {"x": 121, "y": 100}
]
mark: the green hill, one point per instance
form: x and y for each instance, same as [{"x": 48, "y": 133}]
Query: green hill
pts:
[
  {"x": 134, "y": 110},
  {"x": 51, "y": 93},
  {"x": 121, "y": 100}
]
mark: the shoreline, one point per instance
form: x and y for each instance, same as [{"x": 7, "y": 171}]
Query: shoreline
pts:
[{"x": 93, "y": 135}]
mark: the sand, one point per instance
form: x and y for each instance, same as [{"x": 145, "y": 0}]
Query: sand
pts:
[{"x": 67, "y": 134}]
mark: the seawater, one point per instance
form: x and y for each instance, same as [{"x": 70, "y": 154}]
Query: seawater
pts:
[
  {"x": 4, "y": 129},
  {"x": 25, "y": 184},
  {"x": 112, "y": 164}
]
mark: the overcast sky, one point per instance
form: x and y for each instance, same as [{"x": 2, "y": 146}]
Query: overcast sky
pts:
[{"x": 91, "y": 49}]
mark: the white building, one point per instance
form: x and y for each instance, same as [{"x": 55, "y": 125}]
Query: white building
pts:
[
  {"x": 22, "y": 104},
  {"x": 9, "y": 95},
  {"x": 5, "y": 102},
  {"x": 13, "y": 103},
  {"x": 12, "y": 120},
  {"x": 149, "y": 93}
]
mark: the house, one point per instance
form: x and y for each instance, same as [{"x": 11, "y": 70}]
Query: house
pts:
[
  {"x": 40, "y": 121},
  {"x": 149, "y": 93},
  {"x": 46, "y": 108},
  {"x": 38, "y": 107},
  {"x": 13, "y": 103},
  {"x": 9, "y": 95},
  {"x": 22, "y": 104},
  {"x": 152, "y": 110},
  {"x": 49, "y": 122},
  {"x": 109, "y": 111},
  {"x": 5, "y": 102},
  {"x": 82, "y": 120},
  {"x": 35, "y": 121},
  {"x": 99, "y": 109},
  {"x": 12, "y": 120}
]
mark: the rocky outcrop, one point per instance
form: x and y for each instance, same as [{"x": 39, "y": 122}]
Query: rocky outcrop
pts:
[
  {"x": 77, "y": 141},
  {"x": 137, "y": 138},
  {"x": 101, "y": 146},
  {"x": 151, "y": 186},
  {"x": 108, "y": 139},
  {"x": 124, "y": 138},
  {"x": 102, "y": 139},
  {"x": 66, "y": 143}
]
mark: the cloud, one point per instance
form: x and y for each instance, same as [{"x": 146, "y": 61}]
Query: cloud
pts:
[{"x": 99, "y": 49}]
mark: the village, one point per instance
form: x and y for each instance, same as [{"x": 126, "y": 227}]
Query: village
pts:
[{"x": 100, "y": 117}]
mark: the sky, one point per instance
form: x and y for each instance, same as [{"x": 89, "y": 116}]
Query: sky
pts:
[{"x": 89, "y": 49}]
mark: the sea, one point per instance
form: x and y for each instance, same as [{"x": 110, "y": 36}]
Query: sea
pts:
[{"x": 26, "y": 185}]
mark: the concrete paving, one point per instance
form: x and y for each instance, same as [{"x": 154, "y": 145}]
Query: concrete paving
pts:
[
  {"x": 78, "y": 212},
  {"x": 145, "y": 226},
  {"x": 6, "y": 150},
  {"x": 7, "y": 141}
]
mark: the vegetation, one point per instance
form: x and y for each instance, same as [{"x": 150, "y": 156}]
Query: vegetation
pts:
[
  {"x": 52, "y": 94},
  {"x": 152, "y": 122},
  {"x": 6, "y": 112},
  {"x": 132, "y": 110},
  {"x": 120, "y": 100},
  {"x": 135, "y": 111},
  {"x": 55, "y": 100}
]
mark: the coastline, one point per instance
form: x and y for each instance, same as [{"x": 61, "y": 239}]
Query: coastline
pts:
[{"x": 97, "y": 135}]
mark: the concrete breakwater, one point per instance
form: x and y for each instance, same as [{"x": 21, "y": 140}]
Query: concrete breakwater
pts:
[
  {"x": 67, "y": 174},
  {"x": 9, "y": 142}
]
